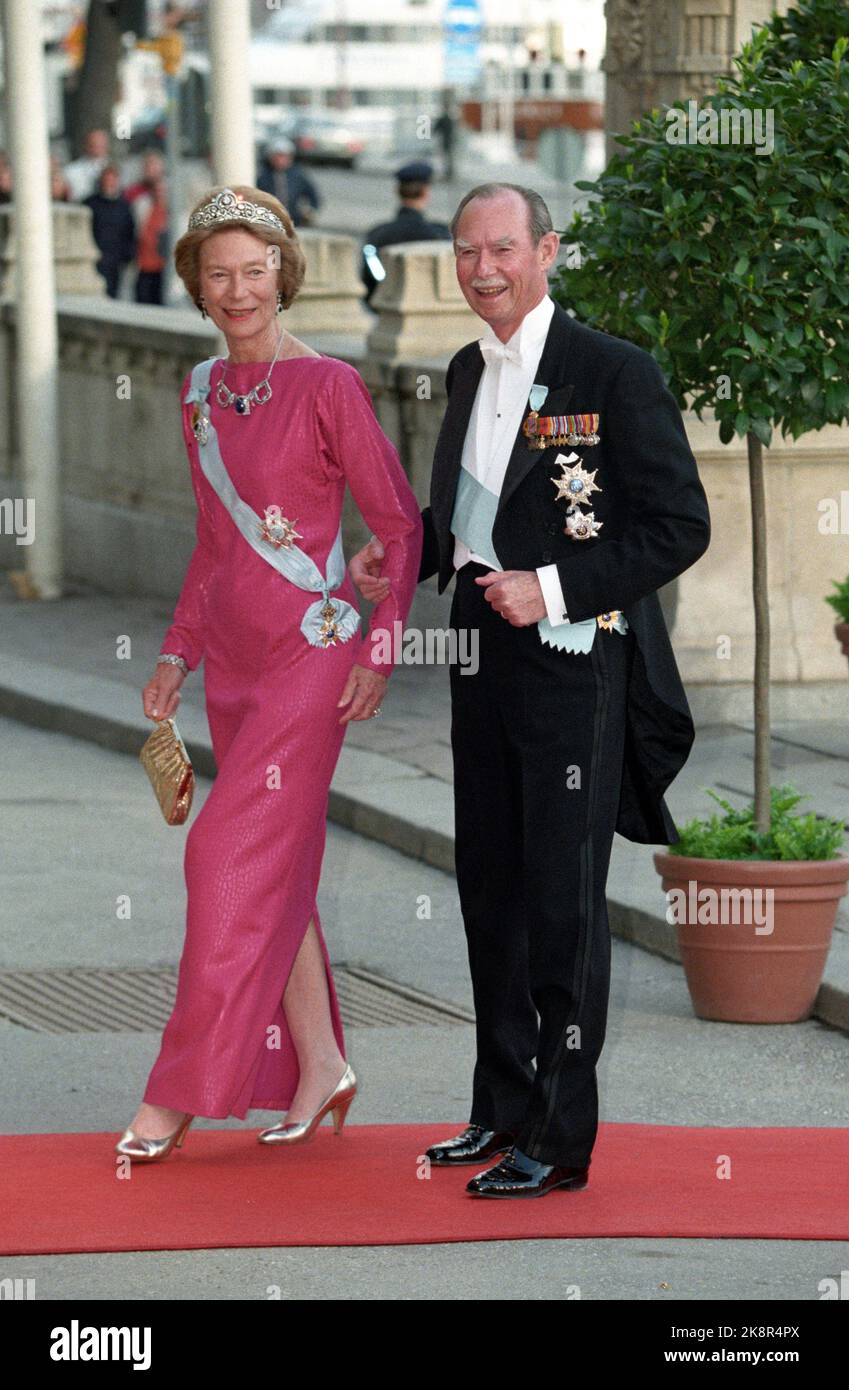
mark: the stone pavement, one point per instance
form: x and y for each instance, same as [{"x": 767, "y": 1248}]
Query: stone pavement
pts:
[
  {"x": 59, "y": 670},
  {"x": 80, "y": 827}
]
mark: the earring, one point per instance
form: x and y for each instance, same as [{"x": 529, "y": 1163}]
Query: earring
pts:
[
  {"x": 202, "y": 306},
  {"x": 279, "y": 300}
]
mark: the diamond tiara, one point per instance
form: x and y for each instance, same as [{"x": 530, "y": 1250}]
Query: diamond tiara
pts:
[{"x": 228, "y": 206}]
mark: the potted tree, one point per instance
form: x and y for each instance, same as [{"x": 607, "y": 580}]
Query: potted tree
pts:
[
  {"x": 840, "y": 603},
  {"x": 755, "y": 912},
  {"x": 727, "y": 260}
]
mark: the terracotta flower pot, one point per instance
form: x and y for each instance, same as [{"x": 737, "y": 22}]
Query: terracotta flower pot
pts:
[
  {"x": 841, "y": 632},
  {"x": 758, "y": 953}
]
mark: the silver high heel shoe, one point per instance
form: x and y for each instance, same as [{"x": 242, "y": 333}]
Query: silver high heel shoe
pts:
[
  {"x": 338, "y": 1102},
  {"x": 141, "y": 1150}
]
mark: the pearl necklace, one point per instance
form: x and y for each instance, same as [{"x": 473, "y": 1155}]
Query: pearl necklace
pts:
[{"x": 259, "y": 394}]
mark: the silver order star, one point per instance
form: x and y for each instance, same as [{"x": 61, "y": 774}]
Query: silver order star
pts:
[
  {"x": 575, "y": 483},
  {"x": 582, "y": 525}
]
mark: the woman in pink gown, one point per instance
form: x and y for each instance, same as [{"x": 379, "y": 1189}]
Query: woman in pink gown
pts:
[{"x": 277, "y": 705}]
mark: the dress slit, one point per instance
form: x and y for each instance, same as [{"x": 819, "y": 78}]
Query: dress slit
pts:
[{"x": 270, "y": 1085}]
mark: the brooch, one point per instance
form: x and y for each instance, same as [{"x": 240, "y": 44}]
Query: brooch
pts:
[
  {"x": 200, "y": 424},
  {"x": 542, "y": 431},
  {"x": 277, "y": 529}
]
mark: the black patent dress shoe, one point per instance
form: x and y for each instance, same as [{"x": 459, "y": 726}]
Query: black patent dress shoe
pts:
[
  {"x": 474, "y": 1144},
  {"x": 517, "y": 1175}
]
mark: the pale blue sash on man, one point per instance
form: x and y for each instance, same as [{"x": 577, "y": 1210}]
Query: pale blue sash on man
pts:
[
  {"x": 292, "y": 562},
  {"x": 472, "y": 521}
]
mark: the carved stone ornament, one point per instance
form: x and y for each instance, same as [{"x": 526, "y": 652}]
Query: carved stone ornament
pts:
[{"x": 626, "y": 30}]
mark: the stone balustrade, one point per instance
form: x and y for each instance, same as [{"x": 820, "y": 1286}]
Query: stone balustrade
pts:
[
  {"x": 129, "y": 508},
  {"x": 74, "y": 251},
  {"x": 421, "y": 312}
]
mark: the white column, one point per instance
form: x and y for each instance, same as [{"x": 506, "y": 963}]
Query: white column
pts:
[
  {"x": 37, "y": 382},
  {"x": 230, "y": 92}
]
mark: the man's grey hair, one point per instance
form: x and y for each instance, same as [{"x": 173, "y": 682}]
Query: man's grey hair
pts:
[{"x": 539, "y": 217}]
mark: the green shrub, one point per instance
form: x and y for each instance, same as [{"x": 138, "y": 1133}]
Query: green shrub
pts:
[{"x": 734, "y": 835}]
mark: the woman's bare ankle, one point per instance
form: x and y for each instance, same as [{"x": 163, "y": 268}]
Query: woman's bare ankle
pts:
[
  {"x": 155, "y": 1121},
  {"x": 321, "y": 1069}
]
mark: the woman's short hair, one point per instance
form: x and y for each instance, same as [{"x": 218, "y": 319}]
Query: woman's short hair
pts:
[{"x": 290, "y": 275}]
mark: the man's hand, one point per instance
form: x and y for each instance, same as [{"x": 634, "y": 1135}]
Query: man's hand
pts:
[
  {"x": 515, "y": 594},
  {"x": 365, "y": 689},
  {"x": 365, "y": 569}
]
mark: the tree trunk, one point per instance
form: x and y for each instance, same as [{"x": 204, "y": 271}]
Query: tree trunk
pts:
[{"x": 760, "y": 594}]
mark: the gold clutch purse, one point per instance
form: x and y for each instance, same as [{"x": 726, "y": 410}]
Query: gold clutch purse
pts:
[{"x": 167, "y": 764}]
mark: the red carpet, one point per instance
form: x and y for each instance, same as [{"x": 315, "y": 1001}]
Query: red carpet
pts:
[{"x": 224, "y": 1189}]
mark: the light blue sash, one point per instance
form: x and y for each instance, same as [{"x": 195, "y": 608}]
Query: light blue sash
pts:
[
  {"x": 472, "y": 521},
  {"x": 292, "y": 562},
  {"x": 474, "y": 515}
]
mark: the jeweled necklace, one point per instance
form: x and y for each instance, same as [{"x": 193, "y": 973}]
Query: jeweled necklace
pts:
[{"x": 259, "y": 394}]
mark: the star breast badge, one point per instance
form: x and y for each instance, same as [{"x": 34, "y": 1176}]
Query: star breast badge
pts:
[
  {"x": 574, "y": 481},
  {"x": 278, "y": 530},
  {"x": 582, "y": 526}
]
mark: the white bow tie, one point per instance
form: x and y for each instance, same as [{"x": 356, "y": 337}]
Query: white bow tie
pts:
[{"x": 494, "y": 352}]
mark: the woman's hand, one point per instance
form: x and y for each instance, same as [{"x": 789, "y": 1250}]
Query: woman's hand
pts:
[
  {"x": 160, "y": 697},
  {"x": 365, "y": 689}
]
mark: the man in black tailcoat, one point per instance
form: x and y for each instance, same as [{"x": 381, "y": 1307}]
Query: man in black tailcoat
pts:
[{"x": 564, "y": 494}]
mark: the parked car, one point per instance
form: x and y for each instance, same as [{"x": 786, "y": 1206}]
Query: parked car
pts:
[{"x": 324, "y": 138}]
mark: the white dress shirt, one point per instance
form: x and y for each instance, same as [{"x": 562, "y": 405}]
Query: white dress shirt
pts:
[{"x": 499, "y": 408}]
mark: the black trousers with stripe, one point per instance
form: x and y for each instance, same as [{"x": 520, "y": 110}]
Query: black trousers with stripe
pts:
[{"x": 537, "y": 737}]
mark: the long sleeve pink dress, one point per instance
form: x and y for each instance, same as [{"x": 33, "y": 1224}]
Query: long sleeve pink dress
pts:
[{"x": 253, "y": 853}]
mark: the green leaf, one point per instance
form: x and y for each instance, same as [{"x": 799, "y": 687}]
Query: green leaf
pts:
[
  {"x": 755, "y": 341},
  {"x": 726, "y": 430}
]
